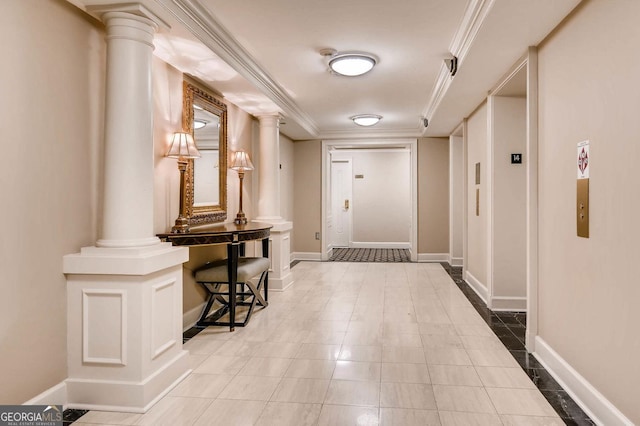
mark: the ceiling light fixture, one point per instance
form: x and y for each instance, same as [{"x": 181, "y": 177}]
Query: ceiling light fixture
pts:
[
  {"x": 198, "y": 124},
  {"x": 366, "y": 120},
  {"x": 350, "y": 64}
]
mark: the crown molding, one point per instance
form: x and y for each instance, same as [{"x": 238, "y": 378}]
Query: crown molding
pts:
[
  {"x": 472, "y": 20},
  {"x": 199, "y": 21},
  {"x": 148, "y": 9},
  {"x": 443, "y": 81},
  {"x": 369, "y": 133}
]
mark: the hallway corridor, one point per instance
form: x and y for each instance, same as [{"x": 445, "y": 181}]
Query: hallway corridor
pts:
[{"x": 353, "y": 344}]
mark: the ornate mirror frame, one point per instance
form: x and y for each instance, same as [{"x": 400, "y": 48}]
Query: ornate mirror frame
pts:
[{"x": 194, "y": 94}]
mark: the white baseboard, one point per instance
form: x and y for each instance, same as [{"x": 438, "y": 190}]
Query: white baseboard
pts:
[
  {"x": 281, "y": 284},
  {"x": 357, "y": 244},
  {"x": 327, "y": 254},
  {"x": 592, "y": 402},
  {"x": 456, "y": 261},
  {"x": 480, "y": 289},
  {"x": 190, "y": 318},
  {"x": 55, "y": 395},
  {"x": 512, "y": 304},
  {"x": 433, "y": 257},
  {"x": 299, "y": 255}
]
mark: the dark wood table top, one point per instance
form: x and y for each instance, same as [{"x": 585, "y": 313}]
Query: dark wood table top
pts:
[{"x": 219, "y": 233}]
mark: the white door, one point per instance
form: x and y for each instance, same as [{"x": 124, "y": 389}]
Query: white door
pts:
[{"x": 341, "y": 202}]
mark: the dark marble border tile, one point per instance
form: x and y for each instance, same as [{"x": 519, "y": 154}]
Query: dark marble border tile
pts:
[
  {"x": 520, "y": 333},
  {"x": 70, "y": 415},
  {"x": 542, "y": 379},
  {"x": 188, "y": 334},
  {"x": 566, "y": 408},
  {"x": 512, "y": 343},
  {"x": 501, "y": 330},
  {"x": 525, "y": 359},
  {"x": 510, "y": 327}
]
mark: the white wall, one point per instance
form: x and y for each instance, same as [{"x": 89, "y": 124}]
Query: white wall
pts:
[
  {"x": 508, "y": 127},
  {"x": 477, "y": 225},
  {"x": 381, "y": 204}
]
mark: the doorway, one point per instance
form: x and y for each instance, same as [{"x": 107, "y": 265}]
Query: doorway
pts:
[
  {"x": 341, "y": 199},
  {"x": 508, "y": 235},
  {"x": 369, "y": 195}
]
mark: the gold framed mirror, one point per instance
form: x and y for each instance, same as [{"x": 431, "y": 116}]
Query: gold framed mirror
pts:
[{"x": 205, "y": 117}]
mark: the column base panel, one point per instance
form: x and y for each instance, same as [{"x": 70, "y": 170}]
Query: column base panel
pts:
[
  {"x": 280, "y": 284},
  {"x": 125, "y": 396}
]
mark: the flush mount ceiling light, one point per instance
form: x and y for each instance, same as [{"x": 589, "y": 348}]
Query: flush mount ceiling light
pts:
[
  {"x": 199, "y": 124},
  {"x": 366, "y": 120},
  {"x": 350, "y": 64}
]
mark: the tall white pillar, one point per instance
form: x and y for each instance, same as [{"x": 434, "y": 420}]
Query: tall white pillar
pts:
[
  {"x": 124, "y": 296},
  {"x": 269, "y": 172},
  {"x": 280, "y": 276},
  {"x": 128, "y": 162}
]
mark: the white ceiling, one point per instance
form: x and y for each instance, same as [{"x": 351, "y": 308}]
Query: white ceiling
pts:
[{"x": 263, "y": 55}]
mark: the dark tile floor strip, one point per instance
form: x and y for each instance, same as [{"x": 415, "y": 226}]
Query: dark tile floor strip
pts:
[{"x": 510, "y": 328}]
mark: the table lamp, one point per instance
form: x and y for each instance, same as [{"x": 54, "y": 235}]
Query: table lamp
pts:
[
  {"x": 183, "y": 147},
  {"x": 241, "y": 163}
]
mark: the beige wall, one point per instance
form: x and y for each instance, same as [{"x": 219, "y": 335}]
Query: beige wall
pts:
[
  {"x": 509, "y": 125},
  {"x": 307, "y": 193},
  {"x": 456, "y": 196},
  {"x": 242, "y": 128},
  {"x": 286, "y": 177},
  {"x": 433, "y": 195},
  {"x": 588, "y": 83},
  {"x": 52, "y": 85},
  {"x": 167, "y": 119},
  {"x": 476, "y": 138}
]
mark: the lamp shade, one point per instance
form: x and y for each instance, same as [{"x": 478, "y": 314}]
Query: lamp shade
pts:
[
  {"x": 241, "y": 161},
  {"x": 183, "y": 146}
]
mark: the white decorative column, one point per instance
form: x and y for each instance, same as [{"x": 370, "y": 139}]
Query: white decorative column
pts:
[
  {"x": 128, "y": 161},
  {"x": 269, "y": 173},
  {"x": 124, "y": 296},
  {"x": 269, "y": 203}
]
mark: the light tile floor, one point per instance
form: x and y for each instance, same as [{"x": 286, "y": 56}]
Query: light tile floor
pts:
[{"x": 352, "y": 344}]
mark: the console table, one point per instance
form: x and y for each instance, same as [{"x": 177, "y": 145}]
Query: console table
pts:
[{"x": 234, "y": 236}]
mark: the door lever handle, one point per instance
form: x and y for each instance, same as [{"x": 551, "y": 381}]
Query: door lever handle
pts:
[{"x": 346, "y": 204}]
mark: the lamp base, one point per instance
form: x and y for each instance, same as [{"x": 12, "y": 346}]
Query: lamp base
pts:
[
  {"x": 181, "y": 226},
  {"x": 240, "y": 219}
]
